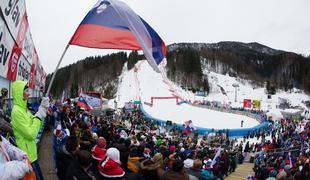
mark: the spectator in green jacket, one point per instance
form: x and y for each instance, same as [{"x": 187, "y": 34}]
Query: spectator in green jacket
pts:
[{"x": 26, "y": 126}]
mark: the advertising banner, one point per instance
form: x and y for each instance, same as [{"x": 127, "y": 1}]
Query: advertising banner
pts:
[
  {"x": 247, "y": 103},
  {"x": 6, "y": 45},
  {"x": 13, "y": 11},
  {"x": 18, "y": 58},
  {"x": 256, "y": 104},
  {"x": 17, "y": 50},
  {"x": 23, "y": 69}
]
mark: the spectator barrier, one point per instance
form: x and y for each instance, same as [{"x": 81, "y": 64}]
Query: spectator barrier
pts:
[
  {"x": 201, "y": 130},
  {"x": 38, "y": 138}
]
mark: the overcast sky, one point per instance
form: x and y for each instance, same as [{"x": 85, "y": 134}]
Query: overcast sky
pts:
[{"x": 279, "y": 24}]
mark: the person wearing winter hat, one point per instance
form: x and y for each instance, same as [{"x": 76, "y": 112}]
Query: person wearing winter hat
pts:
[
  {"x": 114, "y": 154},
  {"x": 188, "y": 163},
  {"x": 101, "y": 142},
  {"x": 134, "y": 160},
  {"x": 26, "y": 126},
  {"x": 172, "y": 148},
  {"x": 59, "y": 139},
  {"x": 98, "y": 152},
  {"x": 110, "y": 167}
]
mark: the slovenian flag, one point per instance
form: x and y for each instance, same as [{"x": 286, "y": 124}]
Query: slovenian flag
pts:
[
  {"x": 189, "y": 126},
  {"x": 82, "y": 103},
  {"x": 111, "y": 24},
  {"x": 215, "y": 158}
]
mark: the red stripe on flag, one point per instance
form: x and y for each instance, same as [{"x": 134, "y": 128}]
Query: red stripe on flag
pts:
[{"x": 94, "y": 36}]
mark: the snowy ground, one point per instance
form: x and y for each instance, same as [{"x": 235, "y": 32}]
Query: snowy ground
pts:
[{"x": 142, "y": 83}]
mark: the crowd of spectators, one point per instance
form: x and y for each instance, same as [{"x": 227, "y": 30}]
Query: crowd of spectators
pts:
[
  {"x": 128, "y": 146},
  {"x": 125, "y": 145},
  {"x": 286, "y": 154}
]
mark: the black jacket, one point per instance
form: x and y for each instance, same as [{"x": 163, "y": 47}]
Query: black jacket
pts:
[
  {"x": 75, "y": 171},
  {"x": 63, "y": 160}
]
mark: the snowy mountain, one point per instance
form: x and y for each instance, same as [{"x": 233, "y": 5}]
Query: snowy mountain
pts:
[
  {"x": 235, "y": 46},
  {"x": 142, "y": 83},
  {"x": 192, "y": 66},
  {"x": 257, "y": 63}
]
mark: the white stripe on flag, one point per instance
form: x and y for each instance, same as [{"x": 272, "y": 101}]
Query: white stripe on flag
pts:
[{"x": 215, "y": 157}]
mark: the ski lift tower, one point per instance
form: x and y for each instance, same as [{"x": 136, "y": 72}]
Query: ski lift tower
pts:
[{"x": 235, "y": 85}]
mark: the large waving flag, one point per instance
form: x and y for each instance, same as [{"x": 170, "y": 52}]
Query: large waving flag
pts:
[
  {"x": 111, "y": 24},
  {"x": 92, "y": 101},
  {"x": 83, "y": 103}
]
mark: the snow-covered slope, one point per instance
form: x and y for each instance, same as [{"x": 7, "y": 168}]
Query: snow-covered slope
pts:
[{"x": 142, "y": 83}]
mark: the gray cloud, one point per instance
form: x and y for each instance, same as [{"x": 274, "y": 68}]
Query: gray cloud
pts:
[{"x": 280, "y": 24}]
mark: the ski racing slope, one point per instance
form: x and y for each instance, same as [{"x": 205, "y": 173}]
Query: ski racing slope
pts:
[{"x": 143, "y": 83}]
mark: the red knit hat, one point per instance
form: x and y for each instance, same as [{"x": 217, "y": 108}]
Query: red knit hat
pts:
[
  {"x": 172, "y": 148},
  {"x": 98, "y": 153},
  {"x": 101, "y": 142},
  {"x": 109, "y": 168}
]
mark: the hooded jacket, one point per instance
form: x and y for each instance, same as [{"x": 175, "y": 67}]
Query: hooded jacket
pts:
[
  {"x": 149, "y": 169},
  {"x": 133, "y": 164},
  {"x": 25, "y": 125},
  {"x": 108, "y": 168}
]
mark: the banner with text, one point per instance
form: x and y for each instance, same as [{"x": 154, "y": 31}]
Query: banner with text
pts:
[
  {"x": 13, "y": 11},
  {"x": 18, "y": 57},
  {"x": 6, "y": 45}
]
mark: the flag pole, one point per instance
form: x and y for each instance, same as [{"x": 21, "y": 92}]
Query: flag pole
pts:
[{"x": 54, "y": 74}]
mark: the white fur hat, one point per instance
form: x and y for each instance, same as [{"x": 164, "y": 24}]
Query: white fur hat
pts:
[
  {"x": 114, "y": 154},
  {"x": 188, "y": 163}
]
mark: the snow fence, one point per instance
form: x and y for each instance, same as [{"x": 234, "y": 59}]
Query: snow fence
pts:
[{"x": 239, "y": 132}]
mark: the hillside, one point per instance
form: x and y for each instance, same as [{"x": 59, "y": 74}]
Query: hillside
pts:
[
  {"x": 187, "y": 66},
  {"x": 98, "y": 73},
  {"x": 262, "y": 65}
]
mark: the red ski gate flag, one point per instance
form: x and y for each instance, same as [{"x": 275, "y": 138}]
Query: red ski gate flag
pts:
[{"x": 111, "y": 24}]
